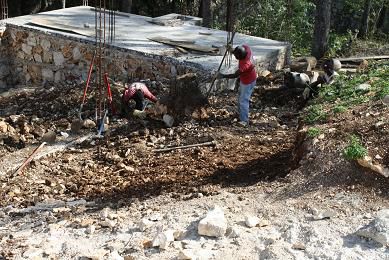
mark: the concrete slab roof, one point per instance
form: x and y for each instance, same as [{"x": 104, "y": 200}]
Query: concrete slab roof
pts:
[{"x": 133, "y": 33}]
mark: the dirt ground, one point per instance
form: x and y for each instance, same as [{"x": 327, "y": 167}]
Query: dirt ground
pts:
[{"x": 125, "y": 169}]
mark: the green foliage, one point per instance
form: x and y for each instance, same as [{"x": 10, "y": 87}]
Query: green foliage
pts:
[
  {"x": 343, "y": 93},
  {"x": 313, "y": 132},
  {"x": 315, "y": 114},
  {"x": 354, "y": 149},
  {"x": 339, "y": 109}
]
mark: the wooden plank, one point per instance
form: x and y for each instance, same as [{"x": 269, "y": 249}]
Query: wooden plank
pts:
[
  {"x": 63, "y": 27},
  {"x": 364, "y": 58},
  {"x": 189, "y": 46}
]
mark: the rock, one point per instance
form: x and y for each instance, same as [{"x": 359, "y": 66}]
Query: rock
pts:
[
  {"x": 108, "y": 223},
  {"x": 45, "y": 44},
  {"x": 38, "y": 57},
  {"x": 4, "y": 71},
  {"x": 187, "y": 254},
  {"x": 58, "y": 76},
  {"x": 47, "y": 74},
  {"x": 114, "y": 255},
  {"x": 90, "y": 229},
  {"x": 194, "y": 254},
  {"x": 168, "y": 120},
  {"x": 367, "y": 162},
  {"x": 3, "y": 127},
  {"x": 298, "y": 246},
  {"x": 179, "y": 235},
  {"x": 214, "y": 224},
  {"x": 49, "y": 137},
  {"x": 163, "y": 239},
  {"x": 325, "y": 214},
  {"x": 145, "y": 224},
  {"x": 33, "y": 253},
  {"x": 59, "y": 59},
  {"x": 363, "y": 87},
  {"x": 104, "y": 213},
  {"x": 232, "y": 232},
  {"x": 385, "y": 100},
  {"x": 89, "y": 124},
  {"x": 26, "y": 49},
  {"x": 38, "y": 131},
  {"x": 379, "y": 124},
  {"x": 251, "y": 221},
  {"x": 378, "y": 229},
  {"x": 76, "y": 54},
  {"x": 76, "y": 126}
]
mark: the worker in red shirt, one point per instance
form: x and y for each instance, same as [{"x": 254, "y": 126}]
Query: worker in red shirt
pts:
[
  {"x": 137, "y": 91},
  {"x": 248, "y": 78}
]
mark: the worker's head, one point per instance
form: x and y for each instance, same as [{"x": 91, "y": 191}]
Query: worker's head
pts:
[
  {"x": 240, "y": 53},
  {"x": 332, "y": 65}
]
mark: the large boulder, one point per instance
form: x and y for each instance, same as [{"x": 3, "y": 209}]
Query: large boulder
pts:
[
  {"x": 378, "y": 229},
  {"x": 214, "y": 224}
]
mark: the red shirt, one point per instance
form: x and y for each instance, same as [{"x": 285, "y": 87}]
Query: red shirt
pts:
[
  {"x": 130, "y": 92},
  {"x": 247, "y": 67}
]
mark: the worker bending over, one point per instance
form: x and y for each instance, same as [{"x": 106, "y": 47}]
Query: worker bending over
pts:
[{"x": 137, "y": 91}]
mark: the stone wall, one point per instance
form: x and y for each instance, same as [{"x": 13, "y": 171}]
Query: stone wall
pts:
[{"x": 33, "y": 56}]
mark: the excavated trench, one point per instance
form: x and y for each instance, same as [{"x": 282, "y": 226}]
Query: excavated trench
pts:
[{"x": 125, "y": 164}]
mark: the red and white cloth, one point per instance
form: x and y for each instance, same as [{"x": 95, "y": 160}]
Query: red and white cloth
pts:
[{"x": 130, "y": 91}]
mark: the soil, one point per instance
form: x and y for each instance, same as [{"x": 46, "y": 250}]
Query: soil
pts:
[{"x": 272, "y": 158}]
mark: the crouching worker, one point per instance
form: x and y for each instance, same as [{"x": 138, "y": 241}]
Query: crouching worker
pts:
[
  {"x": 248, "y": 79},
  {"x": 138, "y": 92},
  {"x": 329, "y": 67}
]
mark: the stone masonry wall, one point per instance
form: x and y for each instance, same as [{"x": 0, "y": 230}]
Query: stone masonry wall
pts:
[{"x": 33, "y": 56}]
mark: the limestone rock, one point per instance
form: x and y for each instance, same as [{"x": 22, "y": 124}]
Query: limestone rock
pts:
[
  {"x": 325, "y": 214},
  {"x": 59, "y": 59},
  {"x": 232, "y": 232},
  {"x": 145, "y": 224},
  {"x": 89, "y": 124},
  {"x": 363, "y": 87},
  {"x": 58, "y": 76},
  {"x": 31, "y": 40},
  {"x": 194, "y": 254},
  {"x": 90, "y": 229},
  {"x": 47, "y": 74},
  {"x": 3, "y": 127},
  {"x": 4, "y": 71},
  {"x": 214, "y": 224},
  {"x": 26, "y": 49},
  {"x": 385, "y": 100},
  {"x": 45, "y": 44},
  {"x": 378, "y": 229},
  {"x": 38, "y": 131},
  {"x": 251, "y": 221},
  {"x": 108, "y": 223},
  {"x": 163, "y": 239},
  {"x": 49, "y": 137},
  {"x": 38, "y": 58},
  {"x": 367, "y": 162},
  {"x": 76, "y": 54}
]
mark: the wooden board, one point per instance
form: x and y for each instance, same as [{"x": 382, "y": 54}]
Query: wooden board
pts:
[
  {"x": 189, "y": 46},
  {"x": 63, "y": 27}
]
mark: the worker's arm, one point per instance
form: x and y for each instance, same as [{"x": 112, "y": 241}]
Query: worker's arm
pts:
[
  {"x": 149, "y": 95},
  {"x": 229, "y": 76}
]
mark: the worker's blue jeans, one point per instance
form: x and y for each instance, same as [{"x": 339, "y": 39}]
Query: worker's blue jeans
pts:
[{"x": 245, "y": 92}]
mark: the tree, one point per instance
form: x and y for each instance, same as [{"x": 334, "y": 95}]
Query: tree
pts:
[
  {"x": 322, "y": 28},
  {"x": 206, "y": 13},
  {"x": 126, "y": 6},
  {"x": 364, "y": 29}
]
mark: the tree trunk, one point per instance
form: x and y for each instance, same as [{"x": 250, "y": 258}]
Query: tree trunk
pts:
[
  {"x": 126, "y": 6},
  {"x": 364, "y": 29},
  {"x": 206, "y": 13},
  {"x": 322, "y": 28},
  {"x": 229, "y": 16}
]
